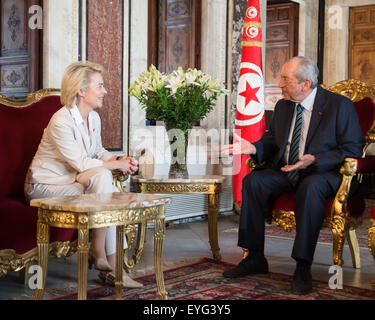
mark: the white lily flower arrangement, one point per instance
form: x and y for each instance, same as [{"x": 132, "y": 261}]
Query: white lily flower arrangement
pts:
[{"x": 180, "y": 98}]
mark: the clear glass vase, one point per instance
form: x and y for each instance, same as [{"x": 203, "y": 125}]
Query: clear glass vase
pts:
[{"x": 178, "y": 141}]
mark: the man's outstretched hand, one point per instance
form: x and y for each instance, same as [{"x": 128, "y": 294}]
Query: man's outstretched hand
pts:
[
  {"x": 239, "y": 146},
  {"x": 302, "y": 163}
]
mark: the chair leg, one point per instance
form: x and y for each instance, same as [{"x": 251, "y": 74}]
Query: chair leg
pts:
[
  {"x": 354, "y": 248},
  {"x": 24, "y": 273},
  {"x": 371, "y": 242},
  {"x": 245, "y": 253},
  {"x": 338, "y": 243}
]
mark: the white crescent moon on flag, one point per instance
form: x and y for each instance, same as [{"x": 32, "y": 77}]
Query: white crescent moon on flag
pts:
[
  {"x": 252, "y": 32},
  {"x": 251, "y": 109}
]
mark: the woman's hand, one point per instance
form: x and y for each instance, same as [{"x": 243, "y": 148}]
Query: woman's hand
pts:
[{"x": 128, "y": 165}]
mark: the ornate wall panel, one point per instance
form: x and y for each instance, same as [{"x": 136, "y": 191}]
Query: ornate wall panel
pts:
[
  {"x": 362, "y": 44},
  {"x": 105, "y": 46},
  {"x": 19, "y": 56}
]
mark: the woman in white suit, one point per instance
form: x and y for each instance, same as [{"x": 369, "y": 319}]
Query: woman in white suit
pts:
[{"x": 71, "y": 160}]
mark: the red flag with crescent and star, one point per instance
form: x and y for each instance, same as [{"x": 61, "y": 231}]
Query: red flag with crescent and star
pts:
[{"x": 250, "y": 120}]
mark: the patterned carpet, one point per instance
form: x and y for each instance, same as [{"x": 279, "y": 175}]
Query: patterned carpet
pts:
[
  {"x": 325, "y": 235},
  {"x": 203, "y": 280}
]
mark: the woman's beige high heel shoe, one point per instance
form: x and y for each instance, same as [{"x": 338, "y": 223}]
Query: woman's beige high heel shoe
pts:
[
  {"x": 100, "y": 264},
  {"x": 127, "y": 282}
]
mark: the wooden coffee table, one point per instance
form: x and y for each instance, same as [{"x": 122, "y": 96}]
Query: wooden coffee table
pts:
[{"x": 89, "y": 211}]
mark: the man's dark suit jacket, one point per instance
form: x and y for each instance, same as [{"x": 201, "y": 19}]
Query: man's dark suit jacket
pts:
[{"x": 334, "y": 134}]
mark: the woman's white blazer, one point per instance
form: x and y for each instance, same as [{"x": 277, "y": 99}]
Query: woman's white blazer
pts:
[{"x": 66, "y": 149}]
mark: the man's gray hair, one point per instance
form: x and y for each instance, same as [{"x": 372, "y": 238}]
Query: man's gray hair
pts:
[{"x": 307, "y": 69}]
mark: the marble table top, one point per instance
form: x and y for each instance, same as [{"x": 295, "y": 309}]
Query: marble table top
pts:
[
  {"x": 190, "y": 179},
  {"x": 98, "y": 202}
]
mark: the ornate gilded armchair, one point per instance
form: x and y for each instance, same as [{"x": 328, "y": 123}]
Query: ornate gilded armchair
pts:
[
  {"x": 344, "y": 212},
  {"x": 22, "y": 123}
]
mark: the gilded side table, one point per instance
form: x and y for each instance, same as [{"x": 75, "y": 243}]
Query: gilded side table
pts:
[
  {"x": 210, "y": 185},
  {"x": 89, "y": 211}
]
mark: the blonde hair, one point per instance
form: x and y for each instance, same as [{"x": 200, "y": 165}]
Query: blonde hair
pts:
[{"x": 77, "y": 76}]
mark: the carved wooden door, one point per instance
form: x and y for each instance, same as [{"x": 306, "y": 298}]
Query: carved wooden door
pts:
[
  {"x": 281, "y": 44},
  {"x": 20, "y": 52},
  {"x": 174, "y": 29},
  {"x": 362, "y": 44},
  {"x": 178, "y": 27}
]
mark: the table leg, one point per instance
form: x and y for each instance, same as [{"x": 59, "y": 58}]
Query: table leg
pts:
[
  {"x": 159, "y": 236},
  {"x": 141, "y": 238},
  {"x": 130, "y": 236},
  {"x": 83, "y": 242},
  {"x": 42, "y": 240},
  {"x": 213, "y": 210},
  {"x": 120, "y": 233}
]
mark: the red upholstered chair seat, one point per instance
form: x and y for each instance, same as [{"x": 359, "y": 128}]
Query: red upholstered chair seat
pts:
[
  {"x": 372, "y": 213},
  {"x": 366, "y": 165},
  {"x": 366, "y": 113},
  {"x": 18, "y": 226},
  {"x": 21, "y": 129},
  {"x": 356, "y": 205}
]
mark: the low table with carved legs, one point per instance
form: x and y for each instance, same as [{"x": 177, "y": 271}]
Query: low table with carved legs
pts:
[
  {"x": 210, "y": 185},
  {"x": 89, "y": 211}
]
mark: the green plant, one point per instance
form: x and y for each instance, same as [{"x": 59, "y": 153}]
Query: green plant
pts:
[{"x": 180, "y": 99}]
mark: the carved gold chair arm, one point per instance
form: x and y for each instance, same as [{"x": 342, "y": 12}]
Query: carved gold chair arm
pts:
[
  {"x": 347, "y": 170},
  {"x": 251, "y": 164},
  {"x": 118, "y": 179}
]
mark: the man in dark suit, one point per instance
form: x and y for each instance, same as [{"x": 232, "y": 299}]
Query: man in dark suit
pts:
[{"x": 311, "y": 133}]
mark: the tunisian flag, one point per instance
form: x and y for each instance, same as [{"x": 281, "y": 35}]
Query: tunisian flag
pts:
[{"x": 250, "y": 122}]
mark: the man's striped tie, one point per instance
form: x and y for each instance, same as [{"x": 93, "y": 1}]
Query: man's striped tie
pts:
[{"x": 294, "y": 146}]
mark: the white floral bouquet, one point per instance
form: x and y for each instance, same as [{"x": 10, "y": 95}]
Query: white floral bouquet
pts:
[{"x": 180, "y": 99}]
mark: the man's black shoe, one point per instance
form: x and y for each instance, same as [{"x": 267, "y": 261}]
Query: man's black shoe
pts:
[
  {"x": 248, "y": 266},
  {"x": 302, "y": 281}
]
